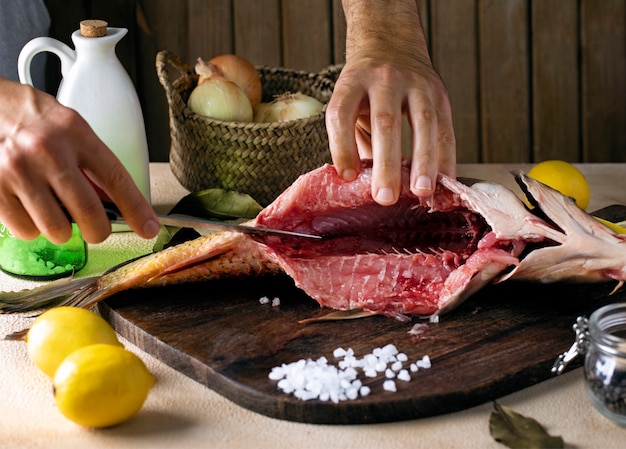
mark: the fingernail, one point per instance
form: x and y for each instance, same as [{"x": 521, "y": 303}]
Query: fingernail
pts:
[
  {"x": 423, "y": 183},
  {"x": 384, "y": 196},
  {"x": 349, "y": 174},
  {"x": 151, "y": 228}
]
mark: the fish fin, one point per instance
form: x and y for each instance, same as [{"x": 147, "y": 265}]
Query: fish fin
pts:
[
  {"x": 213, "y": 252},
  {"x": 61, "y": 292},
  {"x": 16, "y": 336},
  {"x": 560, "y": 209}
]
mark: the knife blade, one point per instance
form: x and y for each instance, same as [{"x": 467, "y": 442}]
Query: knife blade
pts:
[{"x": 201, "y": 224}]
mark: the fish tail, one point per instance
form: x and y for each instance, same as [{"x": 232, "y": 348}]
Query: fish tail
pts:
[{"x": 58, "y": 293}]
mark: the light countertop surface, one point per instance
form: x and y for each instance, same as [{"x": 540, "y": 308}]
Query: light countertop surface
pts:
[{"x": 180, "y": 412}]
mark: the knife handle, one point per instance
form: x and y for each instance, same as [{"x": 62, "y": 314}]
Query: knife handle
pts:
[{"x": 113, "y": 214}]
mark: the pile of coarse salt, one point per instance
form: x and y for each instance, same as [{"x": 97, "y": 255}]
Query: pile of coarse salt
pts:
[{"x": 318, "y": 379}]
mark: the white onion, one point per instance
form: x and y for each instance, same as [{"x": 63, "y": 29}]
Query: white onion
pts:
[
  {"x": 220, "y": 99},
  {"x": 288, "y": 106}
]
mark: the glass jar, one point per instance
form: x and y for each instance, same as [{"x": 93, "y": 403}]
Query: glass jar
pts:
[
  {"x": 40, "y": 259},
  {"x": 605, "y": 361}
]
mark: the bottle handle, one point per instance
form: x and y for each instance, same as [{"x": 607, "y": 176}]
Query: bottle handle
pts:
[{"x": 41, "y": 44}]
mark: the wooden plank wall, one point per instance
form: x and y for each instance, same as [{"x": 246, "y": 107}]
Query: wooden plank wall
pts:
[{"x": 528, "y": 79}]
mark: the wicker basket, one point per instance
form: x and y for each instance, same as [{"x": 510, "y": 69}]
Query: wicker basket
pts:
[{"x": 260, "y": 159}]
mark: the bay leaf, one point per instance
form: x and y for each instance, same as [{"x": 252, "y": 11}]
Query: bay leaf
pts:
[
  {"x": 519, "y": 432},
  {"x": 172, "y": 236},
  {"x": 211, "y": 204},
  {"x": 219, "y": 204}
]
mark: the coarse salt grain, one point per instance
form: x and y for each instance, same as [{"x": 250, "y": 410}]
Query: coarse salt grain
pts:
[
  {"x": 264, "y": 300},
  {"x": 370, "y": 373},
  {"x": 389, "y": 385},
  {"x": 389, "y": 351},
  {"x": 404, "y": 375},
  {"x": 370, "y": 360},
  {"x": 275, "y": 302},
  {"x": 424, "y": 362},
  {"x": 380, "y": 367}
]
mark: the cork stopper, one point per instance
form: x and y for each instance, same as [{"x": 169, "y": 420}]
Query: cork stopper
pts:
[{"x": 93, "y": 28}]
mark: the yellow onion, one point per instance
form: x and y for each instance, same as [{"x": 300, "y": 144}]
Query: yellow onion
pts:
[
  {"x": 221, "y": 99},
  {"x": 288, "y": 106},
  {"x": 235, "y": 69}
]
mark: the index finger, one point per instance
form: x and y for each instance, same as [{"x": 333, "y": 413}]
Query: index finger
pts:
[
  {"x": 341, "y": 116},
  {"x": 109, "y": 175},
  {"x": 386, "y": 123}
]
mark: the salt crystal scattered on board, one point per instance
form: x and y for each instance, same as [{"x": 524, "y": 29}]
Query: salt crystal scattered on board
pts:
[
  {"x": 424, "y": 363},
  {"x": 318, "y": 379},
  {"x": 265, "y": 300},
  {"x": 418, "y": 329}
]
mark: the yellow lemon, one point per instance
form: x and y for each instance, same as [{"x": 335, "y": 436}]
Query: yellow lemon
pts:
[
  {"x": 565, "y": 178},
  {"x": 101, "y": 385},
  {"x": 59, "y": 331}
]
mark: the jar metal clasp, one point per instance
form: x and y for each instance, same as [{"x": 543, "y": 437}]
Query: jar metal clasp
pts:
[{"x": 580, "y": 346}]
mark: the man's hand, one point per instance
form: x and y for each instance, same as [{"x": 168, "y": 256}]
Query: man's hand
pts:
[
  {"x": 49, "y": 158},
  {"x": 388, "y": 73}
]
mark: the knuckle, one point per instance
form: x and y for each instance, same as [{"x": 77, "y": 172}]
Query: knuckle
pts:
[
  {"x": 67, "y": 116},
  {"x": 57, "y": 231},
  {"x": 339, "y": 111},
  {"x": 447, "y": 138},
  {"x": 91, "y": 209},
  {"x": 334, "y": 113},
  {"x": 117, "y": 175},
  {"x": 426, "y": 115},
  {"x": 386, "y": 121},
  {"x": 30, "y": 142},
  {"x": 391, "y": 75}
]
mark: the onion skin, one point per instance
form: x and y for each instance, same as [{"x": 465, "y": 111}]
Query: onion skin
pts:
[
  {"x": 262, "y": 113},
  {"x": 221, "y": 99},
  {"x": 288, "y": 106},
  {"x": 235, "y": 69}
]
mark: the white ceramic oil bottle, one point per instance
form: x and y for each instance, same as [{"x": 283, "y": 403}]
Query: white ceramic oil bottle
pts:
[{"x": 96, "y": 85}]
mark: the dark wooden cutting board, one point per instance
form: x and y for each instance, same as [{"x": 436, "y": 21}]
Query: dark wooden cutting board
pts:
[{"x": 503, "y": 339}]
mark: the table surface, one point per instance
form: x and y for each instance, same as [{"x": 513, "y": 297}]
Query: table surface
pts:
[{"x": 181, "y": 412}]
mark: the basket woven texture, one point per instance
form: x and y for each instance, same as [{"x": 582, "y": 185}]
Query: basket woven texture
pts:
[{"x": 260, "y": 159}]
